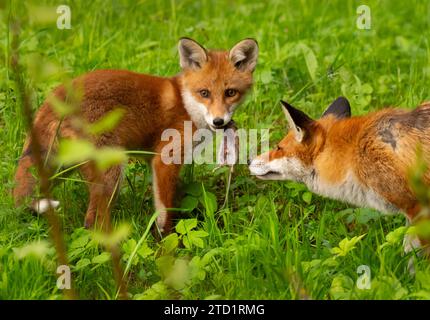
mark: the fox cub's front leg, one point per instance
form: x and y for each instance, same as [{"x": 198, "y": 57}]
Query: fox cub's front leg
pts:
[{"x": 164, "y": 181}]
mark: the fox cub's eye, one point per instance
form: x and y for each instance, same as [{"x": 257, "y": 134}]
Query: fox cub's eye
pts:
[
  {"x": 204, "y": 93},
  {"x": 230, "y": 93}
]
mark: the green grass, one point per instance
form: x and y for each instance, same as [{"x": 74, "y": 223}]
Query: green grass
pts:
[{"x": 274, "y": 240}]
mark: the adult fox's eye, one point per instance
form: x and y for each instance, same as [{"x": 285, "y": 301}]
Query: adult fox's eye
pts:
[
  {"x": 278, "y": 148},
  {"x": 204, "y": 93},
  {"x": 230, "y": 93}
]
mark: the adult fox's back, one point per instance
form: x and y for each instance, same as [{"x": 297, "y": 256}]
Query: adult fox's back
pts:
[{"x": 385, "y": 162}]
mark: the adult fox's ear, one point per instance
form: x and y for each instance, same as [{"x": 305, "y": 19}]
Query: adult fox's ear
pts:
[
  {"x": 191, "y": 54},
  {"x": 244, "y": 55},
  {"x": 340, "y": 108},
  {"x": 298, "y": 121}
]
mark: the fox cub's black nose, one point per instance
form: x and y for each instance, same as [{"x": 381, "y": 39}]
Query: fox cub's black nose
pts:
[
  {"x": 218, "y": 122},
  {"x": 248, "y": 162}
]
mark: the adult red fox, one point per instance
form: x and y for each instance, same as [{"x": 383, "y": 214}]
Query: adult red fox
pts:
[
  {"x": 361, "y": 160},
  {"x": 207, "y": 91}
]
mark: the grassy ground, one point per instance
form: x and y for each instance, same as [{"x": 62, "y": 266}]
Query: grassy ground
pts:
[{"x": 273, "y": 240}]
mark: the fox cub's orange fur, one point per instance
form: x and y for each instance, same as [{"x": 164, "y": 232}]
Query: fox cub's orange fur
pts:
[
  {"x": 210, "y": 86},
  {"x": 361, "y": 160}
]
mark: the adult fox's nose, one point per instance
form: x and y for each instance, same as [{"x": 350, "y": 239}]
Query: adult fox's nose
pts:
[
  {"x": 248, "y": 162},
  {"x": 218, "y": 121}
]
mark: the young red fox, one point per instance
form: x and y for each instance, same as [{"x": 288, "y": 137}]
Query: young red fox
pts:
[
  {"x": 361, "y": 160},
  {"x": 207, "y": 91}
]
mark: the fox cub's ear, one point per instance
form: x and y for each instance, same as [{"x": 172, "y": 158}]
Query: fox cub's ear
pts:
[
  {"x": 244, "y": 55},
  {"x": 298, "y": 121},
  {"x": 191, "y": 54},
  {"x": 340, "y": 108}
]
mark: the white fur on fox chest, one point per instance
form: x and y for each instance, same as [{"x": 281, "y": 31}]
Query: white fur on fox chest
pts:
[
  {"x": 352, "y": 191},
  {"x": 196, "y": 110},
  {"x": 348, "y": 189}
]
